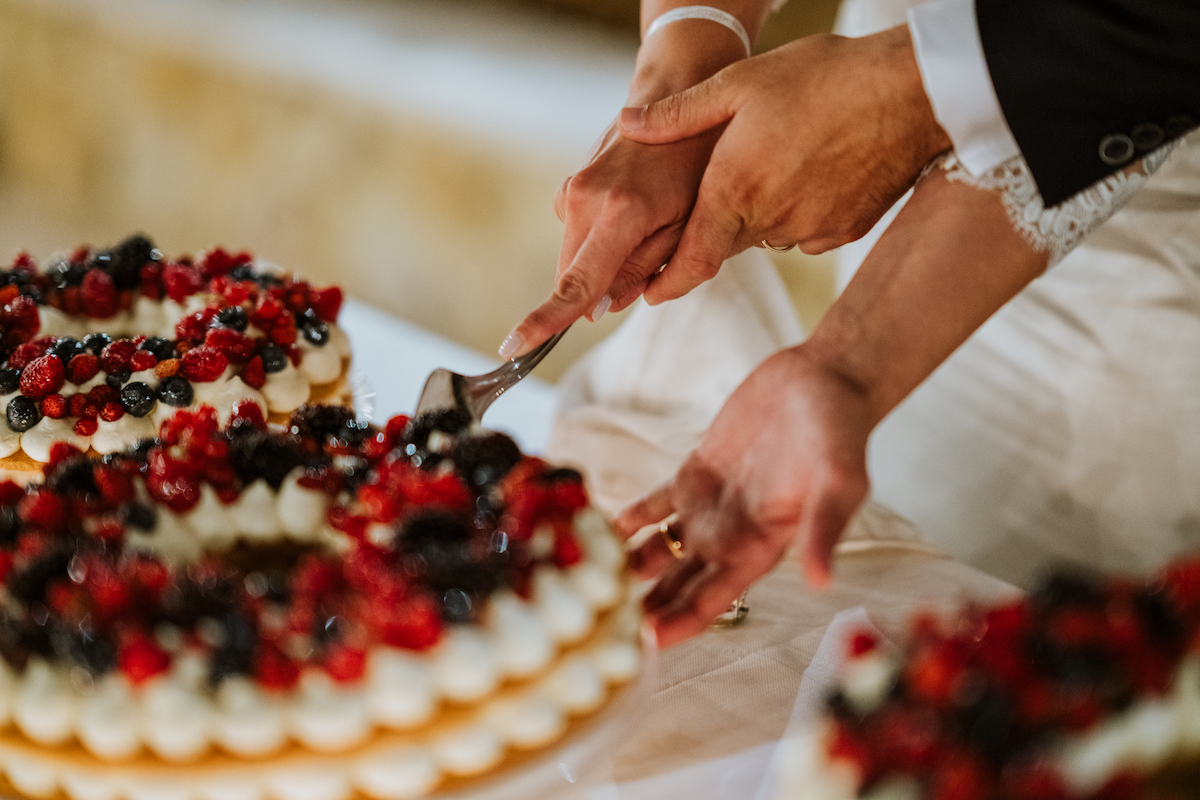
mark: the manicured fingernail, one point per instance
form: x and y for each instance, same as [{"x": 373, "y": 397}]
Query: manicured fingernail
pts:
[
  {"x": 633, "y": 117},
  {"x": 601, "y": 308},
  {"x": 511, "y": 344}
]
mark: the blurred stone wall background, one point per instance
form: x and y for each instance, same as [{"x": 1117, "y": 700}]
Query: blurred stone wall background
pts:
[{"x": 407, "y": 149}]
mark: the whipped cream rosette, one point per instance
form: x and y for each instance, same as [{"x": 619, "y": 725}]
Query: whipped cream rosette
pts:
[
  {"x": 100, "y": 346},
  {"x": 327, "y": 611}
]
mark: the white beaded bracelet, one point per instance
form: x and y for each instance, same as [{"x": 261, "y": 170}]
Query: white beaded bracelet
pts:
[{"x": 700, "y": 12}]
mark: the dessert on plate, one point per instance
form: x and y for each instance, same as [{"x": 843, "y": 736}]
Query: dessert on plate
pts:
[
  {"x": 97, "y": 347},
  {"x": 1087, "y": 689},
  {"x": 320, "y": 612}
]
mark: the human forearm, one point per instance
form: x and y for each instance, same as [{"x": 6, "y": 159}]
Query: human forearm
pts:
[{"x": 947, "y": 263}]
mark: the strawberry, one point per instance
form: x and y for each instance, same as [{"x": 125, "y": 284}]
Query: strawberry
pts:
[
  {"x": 54, "y": 406},
  {"x": 82, "y": 368},
  {"x": 43, "y": 377},
  {"x": 253, "y": 374},
  {"x": 99, "y": 294},
  {"x": 21, "y": 314},
  {"x": 345, "y": 664},
  {"x": 76, "y": 404},
  {"x": 152, "y": 281},
  {"x": 24, "y": 354},
  {"x": 274, "y": 670},
  {"x": 165, "y": 369},
  {"x": 86, "y": 426},
  {"x": 116, "y": 355},
  {"x": 8, "y": 294},
  {"x": 237, "y": 346},
  {"x": 102, "y": 394},
  {"x": 111, "y": 411},
  {"x": 141, "y": 659},
  {"x": 203, "y": 364}
]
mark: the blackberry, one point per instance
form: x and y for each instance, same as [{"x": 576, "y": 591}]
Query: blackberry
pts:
[
  {"x": 563, "y": 474},
  {"x": 160, "y": 348},
  {"x": 450, "y": 420},
  {"x": 176, "y": 391},
  {"x": 127, "y": 259},
  {"x": 74, "y": 476},
  {"x": 12, "y": 645},
  {"x": 273, "y": 358},
  {"x": 117, "y": 379},
  {"x": 22, "y": 413},
  {"x": 95, "y": 342},
  {"x": 10, "y": 525},
  {"x": 1065, "y": 589},
  {"x": 243, "y": 272},
  {"x": 483, "y": 460},
  {"x": 82, "y": 647},
  {"x": 67, "y": 348},
  {"x": 256, "y": 454},
  {"x": 64, "y": 273},
  {"x": 439, "y": 547},
  {"x": 10, "y": 380},
  {"x": 233, "y": 317},
  {"x": 323, "y": 422},
  {"x": 34, "y": 293},
  {"x": 28, "y": 584},
  {"x": 235, "y": 656},
  {"x": 139, "y": 515},
  {"x": 138, "y": 399},
  {"x": 139, "y": 451}
]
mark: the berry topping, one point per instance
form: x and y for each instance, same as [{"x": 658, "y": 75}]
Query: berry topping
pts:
[
  {"x": 86, "y": 426},
  {"x": 315, "y": 331},
  {"x": 82, "y": 368},
  {"x": 181, "y": 281},
  {"x": 22, "y": 413},
  {"x": 67, "y": 348},
  {"x": 165, "y": 369},
  {"x": 111, "y": 412},
  {"x": 142, "y": 360},
  {"x": 326, "y": 302},
  {"x": 175, "y": 391},
  {"x": 273, "y": 359},
  {"x": 138, "y": 399},
  {"x": 237, "y": 346},
  {"x": 116, "y": 355},
  {"x": 117, "y": 379},
  {"x": 253, "y": 374},
  {"x": 247, "y": 412},
  {"x": 128, "y": 258},
  {"x": 99, "y": 294},
  {"x": 24, "y": 354},
  {"x": 161, "y": 348},
  {"x": 234, "y": 317},
  {"x": 43, "y": 376},
  {"x": 141, "y": 659},
  {"x": 203, "y": 364},
  {"x": 54, "y": 406}
]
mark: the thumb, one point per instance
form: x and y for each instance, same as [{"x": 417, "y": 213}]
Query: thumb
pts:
[
  {"x": 827, "y": 513},
  {"x": 680, "y": 116}
]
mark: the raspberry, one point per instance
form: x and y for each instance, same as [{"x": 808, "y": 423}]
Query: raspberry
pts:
[
  {"x": 266, "y": 310},
  {"x": 414, "y": 623},
  {"x": 54, "y": 406},
  {"x": 60, "y": 452},
  {"x": 103, "y": 394},
  {"x": 152, "y": 281},
  {"x": 44, "y": 509},
  {"x": 165, "y": 369},
  {"x": 116, "y": 355},
  {"x": 142, "y": 360},
  {"x": 42, "y": 377},
  {"x": 76, "y": 404},
  {"x": 115, "y": 485},
  {"x": 72, "y": 301},
  {"x": 141, "y": 659},
  {"x": 326, "y": 302},
  {"x": 99, "y": 294},
  {"x": 203, "y": 364},
  {"x": 345, "y": 664},
  {"x": 21, "y": 315},
  {"x": 86, "y": 426},
  {"x": 111, "y": 412},
  {"x": 82, "y": 368},
  {"x": 254, "y": 375},
  {"x": 274, "y": 670},
  {"x": 247, "y": 412},
  {"x": 180, "y": 281},
  {"x": 237, "y": 347},
  {"x": 24, "y": 354},
  {"x": 191, "y": 329},
  {"x": 283, "y": 332}
]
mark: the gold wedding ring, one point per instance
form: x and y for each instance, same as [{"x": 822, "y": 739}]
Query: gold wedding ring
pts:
[
  {"x": 667, "y": 529},
  {"x": 783, "y": 249}
]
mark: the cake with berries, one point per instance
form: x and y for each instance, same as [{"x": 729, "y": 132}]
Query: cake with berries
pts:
[
  {"x": 319, "y": 612},
  {"x": 100, "y": 346},
  {"x": 1086, "y": 690}
]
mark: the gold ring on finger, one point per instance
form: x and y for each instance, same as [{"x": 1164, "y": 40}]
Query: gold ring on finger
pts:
[
  {"x": 783, "y": 249},
  {"x": 671, "y": 536}
]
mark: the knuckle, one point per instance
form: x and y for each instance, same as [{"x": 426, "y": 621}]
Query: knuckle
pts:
[{"x": 572, "y": 289}]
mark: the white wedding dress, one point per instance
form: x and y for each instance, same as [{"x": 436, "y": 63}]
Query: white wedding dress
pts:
[{"x": 1067, "y": 429}]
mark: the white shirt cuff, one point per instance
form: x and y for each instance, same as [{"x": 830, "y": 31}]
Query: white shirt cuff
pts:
[{"x": 953, "y": 68}]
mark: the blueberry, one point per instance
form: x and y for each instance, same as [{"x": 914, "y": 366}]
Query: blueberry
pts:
[
  {"x": 138, "y": 399},
  {"x": 233, "y": 317},
  {"x": 273, "y": 358},
  {"x": 316, "y": 332},
  {"x": 139, "y": 515},
  {"x": 64, "y": 273},
  {"x": 95, "y": 342},
  {"x": 117, "y": 379},
  {"x": 245, "y": 272},
  {"x": 67, "y": 347},
  {"x": 160, "y": 348},
  {"x": 175, "y": 391},
  {"x": 22, "y": 413},
  {"x": 10, "y": 380}
]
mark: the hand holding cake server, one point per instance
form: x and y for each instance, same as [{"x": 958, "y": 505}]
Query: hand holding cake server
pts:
[{"x": 809, "y": 145}]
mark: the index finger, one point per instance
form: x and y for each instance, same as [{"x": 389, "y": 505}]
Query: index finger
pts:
[{"x": 578, "y": 288}]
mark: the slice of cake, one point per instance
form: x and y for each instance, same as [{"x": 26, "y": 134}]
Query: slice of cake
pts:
[
  {"x": 329, "y": 611},
  {"x": 100, "y": 346},
  {"x": 1088, "y": 689}
]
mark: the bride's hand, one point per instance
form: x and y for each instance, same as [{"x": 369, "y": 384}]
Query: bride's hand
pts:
[{"x": 821, "y": 137}]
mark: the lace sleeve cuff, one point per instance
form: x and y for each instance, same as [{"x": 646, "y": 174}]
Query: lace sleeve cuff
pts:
[{"x": 1059, "y": 229}]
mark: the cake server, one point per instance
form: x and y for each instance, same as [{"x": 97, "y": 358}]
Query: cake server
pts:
[{"x": 473, "y": 394}]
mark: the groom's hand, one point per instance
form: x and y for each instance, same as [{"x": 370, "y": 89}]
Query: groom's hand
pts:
[{"x": 823, "y": 135}]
